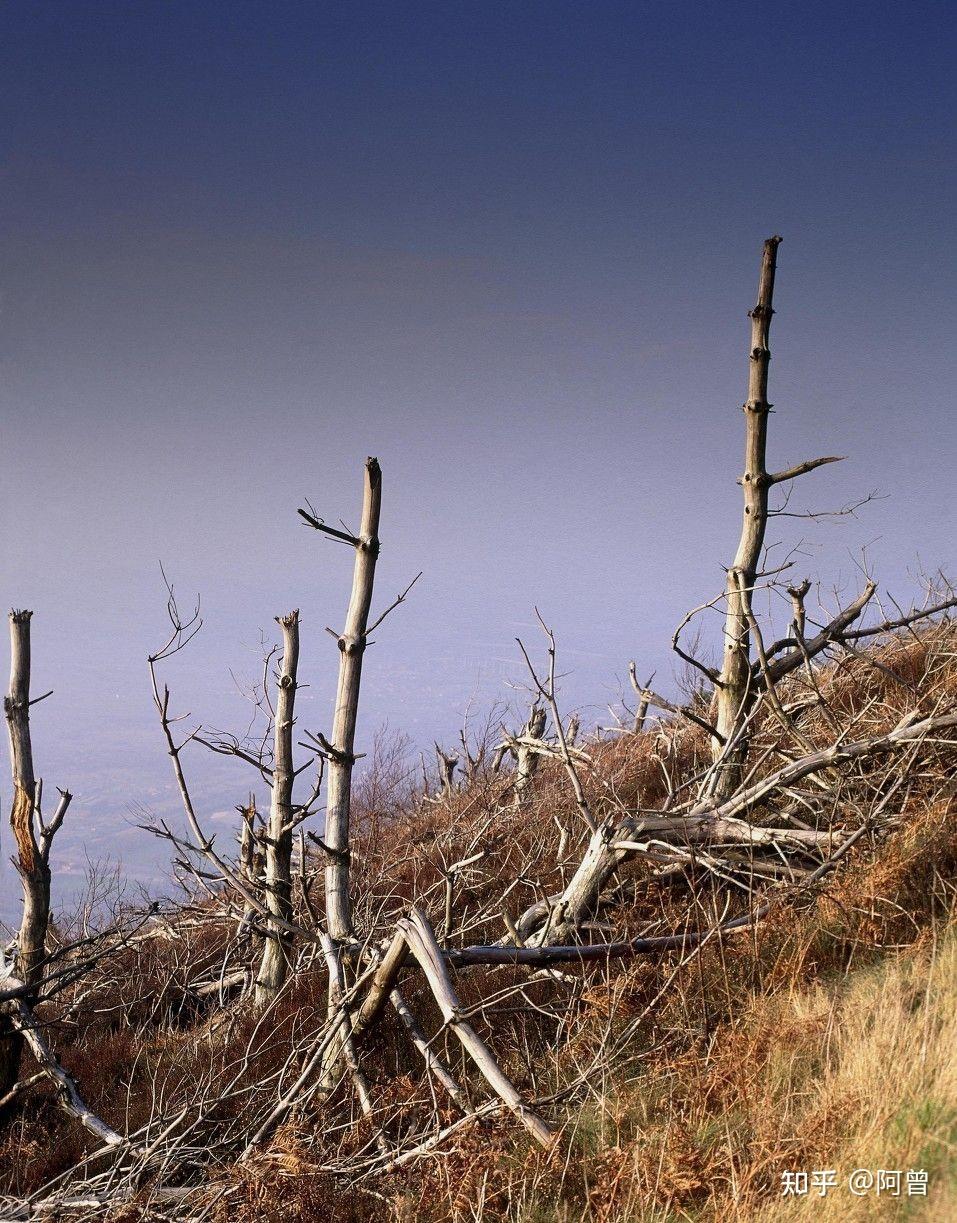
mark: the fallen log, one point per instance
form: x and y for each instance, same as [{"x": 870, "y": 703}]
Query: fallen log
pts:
[{"x": 431, "y": 959}]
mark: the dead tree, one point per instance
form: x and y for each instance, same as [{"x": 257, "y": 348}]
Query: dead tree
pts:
[
  {"x": 446, "y": 763},
  {"x": 648, "y": 698},
  {"x": 197, "y": 843},
  {"x": 743, "y": 679},
  {"x": 341, "y": 748},
  {"x": 420, "y": 938},
  {"x": 28, "y": 1030},
  {"x": 527, "y": 757},
  {"x": 734, "y": 685},
  {"x": 658, "y": 836},
  {"x": 32, "y": 835},
  {"x": 471, "y": 763},
  {"x": 278, "y": 945}
]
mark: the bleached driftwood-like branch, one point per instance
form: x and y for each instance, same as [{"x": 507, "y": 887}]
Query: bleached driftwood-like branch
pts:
[{"x": 352, "y": 644}]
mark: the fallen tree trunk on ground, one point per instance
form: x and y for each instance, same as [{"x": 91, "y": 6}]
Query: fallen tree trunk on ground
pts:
[{"x": 706, "y": 825}]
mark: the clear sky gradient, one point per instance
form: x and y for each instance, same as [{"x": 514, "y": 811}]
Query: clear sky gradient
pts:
[{"x": 507, "y": 247}]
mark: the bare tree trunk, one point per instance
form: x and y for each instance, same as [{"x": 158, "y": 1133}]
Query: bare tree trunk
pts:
[
  {"x": 644, "y": 694},
  {"x": 447, "y": 764},
  {"x": 734, "y": 689},
  {"x": 250, "y": 859},
  {"x": 33, "y": 839},
  {"x": 278, "y": 947},
  {"x": 352, "y": 644},
  {"x": 526, "y": 757},
  {"x": 34, "y": 871}
]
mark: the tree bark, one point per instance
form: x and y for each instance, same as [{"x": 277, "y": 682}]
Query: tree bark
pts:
[
  {"x": 352, "y": 644},
  {"x": 526, "y": 758},
  {"x": 734, "y": 690},
  {"x": 277, "y": 951},
  {"x": 30, "y": 859},
  {"x": 383, "y": 983}
]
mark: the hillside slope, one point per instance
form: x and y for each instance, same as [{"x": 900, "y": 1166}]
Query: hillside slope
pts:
[{"x": 686, "y": 1084}]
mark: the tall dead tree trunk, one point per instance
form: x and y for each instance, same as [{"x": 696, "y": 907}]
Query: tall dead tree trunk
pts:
[
  {"x": 734, "y": 689},
  {"x": 274, "y": 968},
  {"x": 32, "y": 836},
  {"x": 740, "y": 680},
  {"x": 34, "y": 871},
  {"x": 352, "y": 644}
]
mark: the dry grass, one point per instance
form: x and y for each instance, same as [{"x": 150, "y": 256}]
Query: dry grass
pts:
[
  {"x": 851, "y": 1073},
  {"x": 823, "y": 1039},
  {"x": 819, "y": 1045}
]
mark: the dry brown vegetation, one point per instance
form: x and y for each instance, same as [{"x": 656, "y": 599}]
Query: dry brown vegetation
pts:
[{"x": 682, "y": 1085}]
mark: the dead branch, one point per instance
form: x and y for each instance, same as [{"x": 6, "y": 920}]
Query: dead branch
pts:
[
  {"x": 421, "y": 940},
  {"x": 68, "y": 1093}
]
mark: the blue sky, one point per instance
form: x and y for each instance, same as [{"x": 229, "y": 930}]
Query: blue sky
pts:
[{"x": 508, "y": 248}]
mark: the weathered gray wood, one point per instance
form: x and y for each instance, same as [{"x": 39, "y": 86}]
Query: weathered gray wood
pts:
[
  {"x": 251, "y": 859},
  {"x": 810, "y": 647},
  {"x": 352, "y": 644},
  {"x": 433, "y": 1063},
  {"x": 67, "y": 1091},
  {"x": 277, "y": 950},
  {"x": 383, "y": 983},
  {"x": 383, "y": 989},
  {"x": 33, "y": 869},
  {"x": 33, "y": 839},
  {"x": 707, "y": 823},
  {"x": 526, "y": 756},
  {"x": 422, "y": 943},
  {"x": 734, "y": 689},
  {"x": 343, "y": 1046},
  {"x": 447, "y": 764},
  {"x": 557, "y": 953},
  {"x": 686, "y": 940}
]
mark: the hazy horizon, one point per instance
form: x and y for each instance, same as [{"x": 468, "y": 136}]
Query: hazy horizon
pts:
[{"x": 507, "y": 249}]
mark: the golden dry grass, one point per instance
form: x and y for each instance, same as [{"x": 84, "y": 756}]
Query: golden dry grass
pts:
[{"x": 824, "y": 1039}]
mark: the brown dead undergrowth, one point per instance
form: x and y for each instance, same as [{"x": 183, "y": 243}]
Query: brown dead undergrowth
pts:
[{"x": 821, "y": 1038}]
